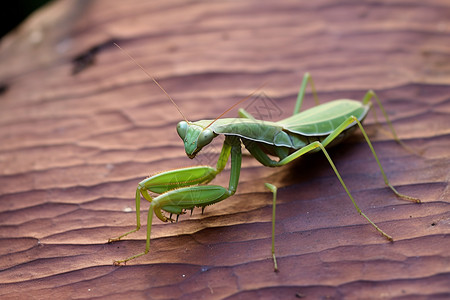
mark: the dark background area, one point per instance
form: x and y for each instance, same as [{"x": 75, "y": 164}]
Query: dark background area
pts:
[{"x": 15, "y": 12}]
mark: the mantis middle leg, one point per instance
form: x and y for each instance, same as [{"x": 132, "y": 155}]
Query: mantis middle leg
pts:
[
  {"x": 301, "y": 94},
  {"x": 263, "y": 158}
]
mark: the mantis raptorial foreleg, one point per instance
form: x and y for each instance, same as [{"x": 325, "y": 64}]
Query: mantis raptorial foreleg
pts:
[
  {"x": 166, "y": 181},
  {"x": 180, "y": 191}
]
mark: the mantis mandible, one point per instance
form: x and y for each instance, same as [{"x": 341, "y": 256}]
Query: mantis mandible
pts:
[{"x": 312, "y": 130}]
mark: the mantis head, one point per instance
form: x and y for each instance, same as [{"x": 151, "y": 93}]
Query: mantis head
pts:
[{"x": 194, "y": 137}]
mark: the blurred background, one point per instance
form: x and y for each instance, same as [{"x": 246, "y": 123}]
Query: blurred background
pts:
[{"x": 14, "y": 12}]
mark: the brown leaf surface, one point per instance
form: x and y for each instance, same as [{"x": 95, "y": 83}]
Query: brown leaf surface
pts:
[{"x": 81, "y": 126}]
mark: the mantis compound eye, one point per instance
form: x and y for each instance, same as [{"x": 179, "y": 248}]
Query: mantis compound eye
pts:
[
  {"x": 205, "y": 137},
  {"x": 182, "y": 129}
]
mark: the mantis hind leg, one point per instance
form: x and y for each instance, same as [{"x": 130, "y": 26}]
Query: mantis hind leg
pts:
[
  {"x": 306, "y": 79},
  {"x": 267, "y": 161},
  {"x": 371, "y": 94}
]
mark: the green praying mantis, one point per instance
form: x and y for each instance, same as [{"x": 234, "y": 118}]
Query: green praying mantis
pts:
[{"x": 312, "y": 130}]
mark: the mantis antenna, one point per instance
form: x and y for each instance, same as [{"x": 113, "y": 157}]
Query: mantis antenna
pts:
[
  {"x": 154, "y": 80},
  {"x": 236, "y": 104}
]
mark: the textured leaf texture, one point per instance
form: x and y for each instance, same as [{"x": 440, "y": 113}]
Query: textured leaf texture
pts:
[{"x": 81, "y": 125}]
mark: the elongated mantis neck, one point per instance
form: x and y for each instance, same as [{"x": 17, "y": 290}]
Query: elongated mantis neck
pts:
[{"x": 154, "y": 80}]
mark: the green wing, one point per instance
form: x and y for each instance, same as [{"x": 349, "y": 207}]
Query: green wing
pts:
[{"x": 323, "y": 119}]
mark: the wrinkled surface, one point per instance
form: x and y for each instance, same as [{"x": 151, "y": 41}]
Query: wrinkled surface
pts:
[{"x": 81, "y": 125}]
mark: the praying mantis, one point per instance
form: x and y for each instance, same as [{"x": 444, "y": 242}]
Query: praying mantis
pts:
[{"x": 312, "y": 130}]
